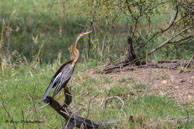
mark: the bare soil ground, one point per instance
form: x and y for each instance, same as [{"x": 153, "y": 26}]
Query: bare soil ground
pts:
[{"x": 179, "y": 86}]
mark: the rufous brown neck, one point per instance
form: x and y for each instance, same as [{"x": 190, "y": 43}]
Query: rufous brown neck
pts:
[{"x": 75, "y": 50}]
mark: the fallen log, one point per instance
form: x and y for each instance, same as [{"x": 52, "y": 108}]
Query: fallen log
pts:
[{"x": 169, "y": 64}]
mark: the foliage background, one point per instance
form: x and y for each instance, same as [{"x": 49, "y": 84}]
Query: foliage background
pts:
[{"x": 50, "y": 27}]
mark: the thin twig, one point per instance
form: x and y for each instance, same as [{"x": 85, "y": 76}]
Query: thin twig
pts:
[
  {"x": 182, "y": 39},
  {"x": 34, "y": 106},
  {"x": 89, "y": 103},
  {"x": 8, "y": 113},
  {"x": 121, "y": 100},
  {"x": 23, "y": 119},
  {"x": 189, "y": 62}
]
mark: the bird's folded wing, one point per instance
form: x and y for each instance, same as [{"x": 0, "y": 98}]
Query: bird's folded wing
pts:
[
  {"x": 60, "y": 79},
  {"x": 51, "y": 85},
  {"x": 64, "y": 78}
]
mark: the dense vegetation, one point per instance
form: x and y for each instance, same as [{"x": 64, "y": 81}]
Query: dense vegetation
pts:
[
  {"x": 36, "y": 37},
  {"x": 48, "y": 29}
]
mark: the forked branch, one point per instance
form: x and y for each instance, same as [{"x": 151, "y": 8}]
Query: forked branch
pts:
[{"x": 74, "y": 119}]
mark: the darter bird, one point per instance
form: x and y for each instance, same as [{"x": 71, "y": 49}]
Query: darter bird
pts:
[{"x": 63, "y": 75}]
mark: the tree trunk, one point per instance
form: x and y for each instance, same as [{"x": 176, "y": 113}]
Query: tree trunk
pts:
[{"x": 131, "y": 53}]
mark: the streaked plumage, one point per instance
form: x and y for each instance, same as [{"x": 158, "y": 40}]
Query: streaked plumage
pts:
[{"x": 63, "y": 75}]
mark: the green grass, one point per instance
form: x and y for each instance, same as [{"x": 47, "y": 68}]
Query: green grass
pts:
[{"x": 19, "y": 88}]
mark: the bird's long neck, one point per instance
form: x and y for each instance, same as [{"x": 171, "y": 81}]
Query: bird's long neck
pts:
[{"x": 75, "y": 51}]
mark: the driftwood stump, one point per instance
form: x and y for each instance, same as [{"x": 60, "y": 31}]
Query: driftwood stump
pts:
[{"x": 74, "y": 119}]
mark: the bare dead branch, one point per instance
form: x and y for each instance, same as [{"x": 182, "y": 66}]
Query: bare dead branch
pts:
[
  {"x": 89, "y": 103},
  {"x": 68, "y": 96},
  {"x": 167, "y": 41},
  {"x": 189, "y": 62},
  {"x": 182, "y": 39},
  {"x": 116, "y": 97},
  {"x": 75, "y": 119},
  {"x": 72, "y": 118},
  {"x": 173, "y": 120},
  {"x": 169, "y": 64},
  {"x": 181, "y": 119}
]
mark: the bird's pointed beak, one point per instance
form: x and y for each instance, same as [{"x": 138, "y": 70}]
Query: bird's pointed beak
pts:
[{"x": 86, "y": 33}]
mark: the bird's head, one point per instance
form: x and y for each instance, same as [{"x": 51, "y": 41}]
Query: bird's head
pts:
[
  {"x": 82, "y": 34},
  {"x": 85, "y": 33}
]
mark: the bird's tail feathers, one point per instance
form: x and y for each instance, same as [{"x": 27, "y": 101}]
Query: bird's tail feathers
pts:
[
  {"x": 57, "y": 89},
  {"x": 46, "y": 93}
]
